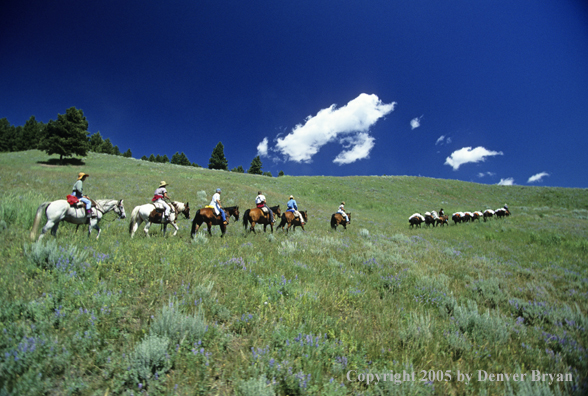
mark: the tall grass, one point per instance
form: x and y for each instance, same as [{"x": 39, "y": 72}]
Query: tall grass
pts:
[{"x": 290, "y": 314}]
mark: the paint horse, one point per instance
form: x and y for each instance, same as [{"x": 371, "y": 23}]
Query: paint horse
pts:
[{"x": 150, "y": 213}]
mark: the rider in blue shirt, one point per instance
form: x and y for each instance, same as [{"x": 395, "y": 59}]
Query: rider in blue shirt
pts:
[{"x": 293, "y": 207}]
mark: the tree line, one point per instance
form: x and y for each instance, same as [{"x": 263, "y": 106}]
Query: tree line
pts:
[{"x": 68, "y": 136}]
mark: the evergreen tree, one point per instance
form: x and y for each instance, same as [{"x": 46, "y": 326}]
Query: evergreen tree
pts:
[
  {"x": 164, "y": 159},
  {"x": 32, "y": 131},
  {"x": 67, "y": 136},
  {"x": 175, "y": 159},
  {"x": 255, "y": 167},
  {"x": 238, "y": 169},
  {"x": 158, "y": 159},
  {"x": 281, "y": 173},
  {"x": 195, "y": 165},
  {"x": 268, "y": 173},
  {"x": 96, "y": 142},
  {"x": 144, "y": 158},
  {"x": 184, "y": 159},
  {"x": 116, "y": 150},
  {"x": 128, "y": 153},
  {"x": 152, "y": 158},
  {"x": 7, "y": 132},
  {"x": 107, "y": 147},
  {"x": 217, "y": 159}
]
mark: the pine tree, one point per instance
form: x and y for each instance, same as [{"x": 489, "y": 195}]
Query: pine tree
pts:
[
  {"x": 152, "y": 158},
  {"x": 281, "y": 173},
  {"x": 164, "y": 159},
  {"x": 184, "y": 159},
  {"x": 116, "y": 150},
  {"x": 96, "y": 142},
  {"x": 158, "y": 159},
  {"x": 175, "y": 159},
  {"x": 268, "y": 173},
  {"x": 217, "y": 159},
  {"x": 67, "y": 136},
  {"x": 106, "y": 147},
  {"x": 195, "y": 165},
  {"x": 255, "y": 167},
  {"x": 144, "y": 158},
  {"x": 238, "y": 169},
  {"x": 128, "y": 153},
  {"x": 31, "y": 133},
  {"x": 6, "y": 132}
]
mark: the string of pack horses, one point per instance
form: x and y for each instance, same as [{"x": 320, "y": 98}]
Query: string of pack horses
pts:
[
  {"x": 435, "y": 219},
  {"x": 79, "y": 209}
]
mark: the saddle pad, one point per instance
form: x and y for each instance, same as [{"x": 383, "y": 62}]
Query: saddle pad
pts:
[
  {"x": 209, "y": 207},
  {"x": 72, "y": 199},
  {"x": 158, "y": 206},
  {"x": 264, "y": 209}
]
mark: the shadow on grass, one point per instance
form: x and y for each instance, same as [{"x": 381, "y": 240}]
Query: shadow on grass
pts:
[{"x": 63, "y": 162}]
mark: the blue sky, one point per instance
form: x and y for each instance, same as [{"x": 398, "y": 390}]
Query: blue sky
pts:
[{"x": 485, "y": 91}]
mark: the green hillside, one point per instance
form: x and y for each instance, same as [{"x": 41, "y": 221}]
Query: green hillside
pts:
[{"x": 295, "y": 314}]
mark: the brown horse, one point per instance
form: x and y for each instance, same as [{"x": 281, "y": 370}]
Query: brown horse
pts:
[
  {"x": 156, "y": 216},
  {"x": 443, "y": 220},
  {"x": 256, "y": 215},
  {"x": 337, "y": 218},
  {"x": 288, "y": 217},
  {"x": 206, "y": 215}
]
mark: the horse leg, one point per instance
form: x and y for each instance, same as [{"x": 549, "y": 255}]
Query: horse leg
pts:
[
  {"x": 97, "y": 227},
  {"x": 209, "y": 224},
  {"x": 53, "y": 228},
  {"x": 253, "y": 227},
  {"x": 146, "y": 229},
  {"x": 164, "y": 225},
  {"x": 176, "y": 227}
]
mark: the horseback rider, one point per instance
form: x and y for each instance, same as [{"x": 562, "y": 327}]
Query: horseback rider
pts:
[
  {"x": 506, "y": 207},
  {"x": 342, "y": 211},
  {"x": 260, "y": 203},
  {"x": 158, "y": 197},
  {"x": 77, "y": 191},
  {"x": 293, "y": 207},
  {"x": 441, "y": 213},
  {"x": 216, "y": 204}
]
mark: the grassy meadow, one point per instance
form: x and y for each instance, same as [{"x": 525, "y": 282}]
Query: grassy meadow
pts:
[{"x": 296, "y": 314}]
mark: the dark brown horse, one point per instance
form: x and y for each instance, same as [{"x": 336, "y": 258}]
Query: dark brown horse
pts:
[
  {"x": 337, "y": 218},
  {"x": 257, "y": 216},
  {"x": 206, "y": 215},
  {"x": 443, "y": 220},
  {"x": 288, "y": 217},
  {"x": 156, "y": 216}
]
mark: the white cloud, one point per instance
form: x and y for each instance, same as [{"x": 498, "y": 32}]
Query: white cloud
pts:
[
  {"x": 466, "y": 155},
  {"x": 448, "y": 140},
  {"x": 537, "y": 177},
  {"x": 360, "y": 145},
  {"x": 352, "y": 120},
  {"x": 262, "y": 148},
  {"x": 440, "y": 140},
  {"x": 415, "y": 122},
  {"x": 482, "y": 174},
  {"x": 509, "y": 181}
]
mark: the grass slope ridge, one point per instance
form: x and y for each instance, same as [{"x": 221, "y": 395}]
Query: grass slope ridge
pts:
[{"x": 291, "y": 314}]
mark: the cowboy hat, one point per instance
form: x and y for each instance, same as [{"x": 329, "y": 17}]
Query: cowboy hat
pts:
[
  {"x": 162, "y": 183},
  {"x": 291, "y": 196},
  {"x": 343, "y": 203},
  {"x": 82, "y": 174}
]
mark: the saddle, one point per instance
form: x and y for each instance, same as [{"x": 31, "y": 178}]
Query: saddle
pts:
[
  {"x": 264, "y": 209},
  {"x": 74, "y": 202}
]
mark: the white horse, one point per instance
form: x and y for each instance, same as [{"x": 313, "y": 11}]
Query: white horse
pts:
[
  {"x": 143, "y": 213},
  {"x": 59, "y": 210}
]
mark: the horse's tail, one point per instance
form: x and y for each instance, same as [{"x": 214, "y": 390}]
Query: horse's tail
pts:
[
  {"x": 196, "y": 217},
  {"x": 134, "y": 215},
  {"x": 333, "y": 221},
  {"x": 246, "y": 218},
  {"x": 40, "y": 210}
]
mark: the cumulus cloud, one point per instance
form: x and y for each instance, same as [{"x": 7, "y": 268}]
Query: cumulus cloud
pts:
[
  {"x": 360, "y": 148},
  {"x": 537, "y": 177},
  {"x": 348, "y": 124},
  {"x": 415, "y": 122},
  {"x": 509, "y": 181},
  {"x": 466, "y": 155},
  {"x": 262, "y": 148}
]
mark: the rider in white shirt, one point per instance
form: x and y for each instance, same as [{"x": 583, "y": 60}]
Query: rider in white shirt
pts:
[
  {"x": 342, "y": 211},
  {"x": 260, "y": 203},
  {"x": 158, "y": 196},
  {"x": 216, "y": 204}
]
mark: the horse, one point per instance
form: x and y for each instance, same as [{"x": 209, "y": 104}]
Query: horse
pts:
[
  {"x": 337, "y": 218},
  {"x": 256, "y": 215},
  {"x": 443, "y": 220},
  {"x": 500, "y": 213},
  {"x": 477, "y": 215},
  {"x": 467, "y": 217},
  {"x": 457, "y": 217},
  {"x": 59, "y": 210},
  {"x": 288, "y": 217},
  {"x": 416, "y": 220},
  {"x": 488, "y": 213},
  {"x": 206, "y": 215},
  {"x": 149, "y": 214}
]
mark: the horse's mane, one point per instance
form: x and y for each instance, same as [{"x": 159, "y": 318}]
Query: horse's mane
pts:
[{"x": 231, "y": 207}]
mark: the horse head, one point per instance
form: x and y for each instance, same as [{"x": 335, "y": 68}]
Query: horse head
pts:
[
  {"x": 305, "y": 216},
  {"x": 277, "y": 211},
  {"x": 120, "y": 210}
]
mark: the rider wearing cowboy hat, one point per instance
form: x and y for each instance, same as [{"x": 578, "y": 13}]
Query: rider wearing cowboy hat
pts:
[
  {"x": 293, "y": 207},
  {"x": 216, "y": 204},
  {"x": 342, "y": 211},
  {"x": 158, "y": 196},
  {"x": 260, "y": 203},
  {"x": 77, "y": 191}
]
